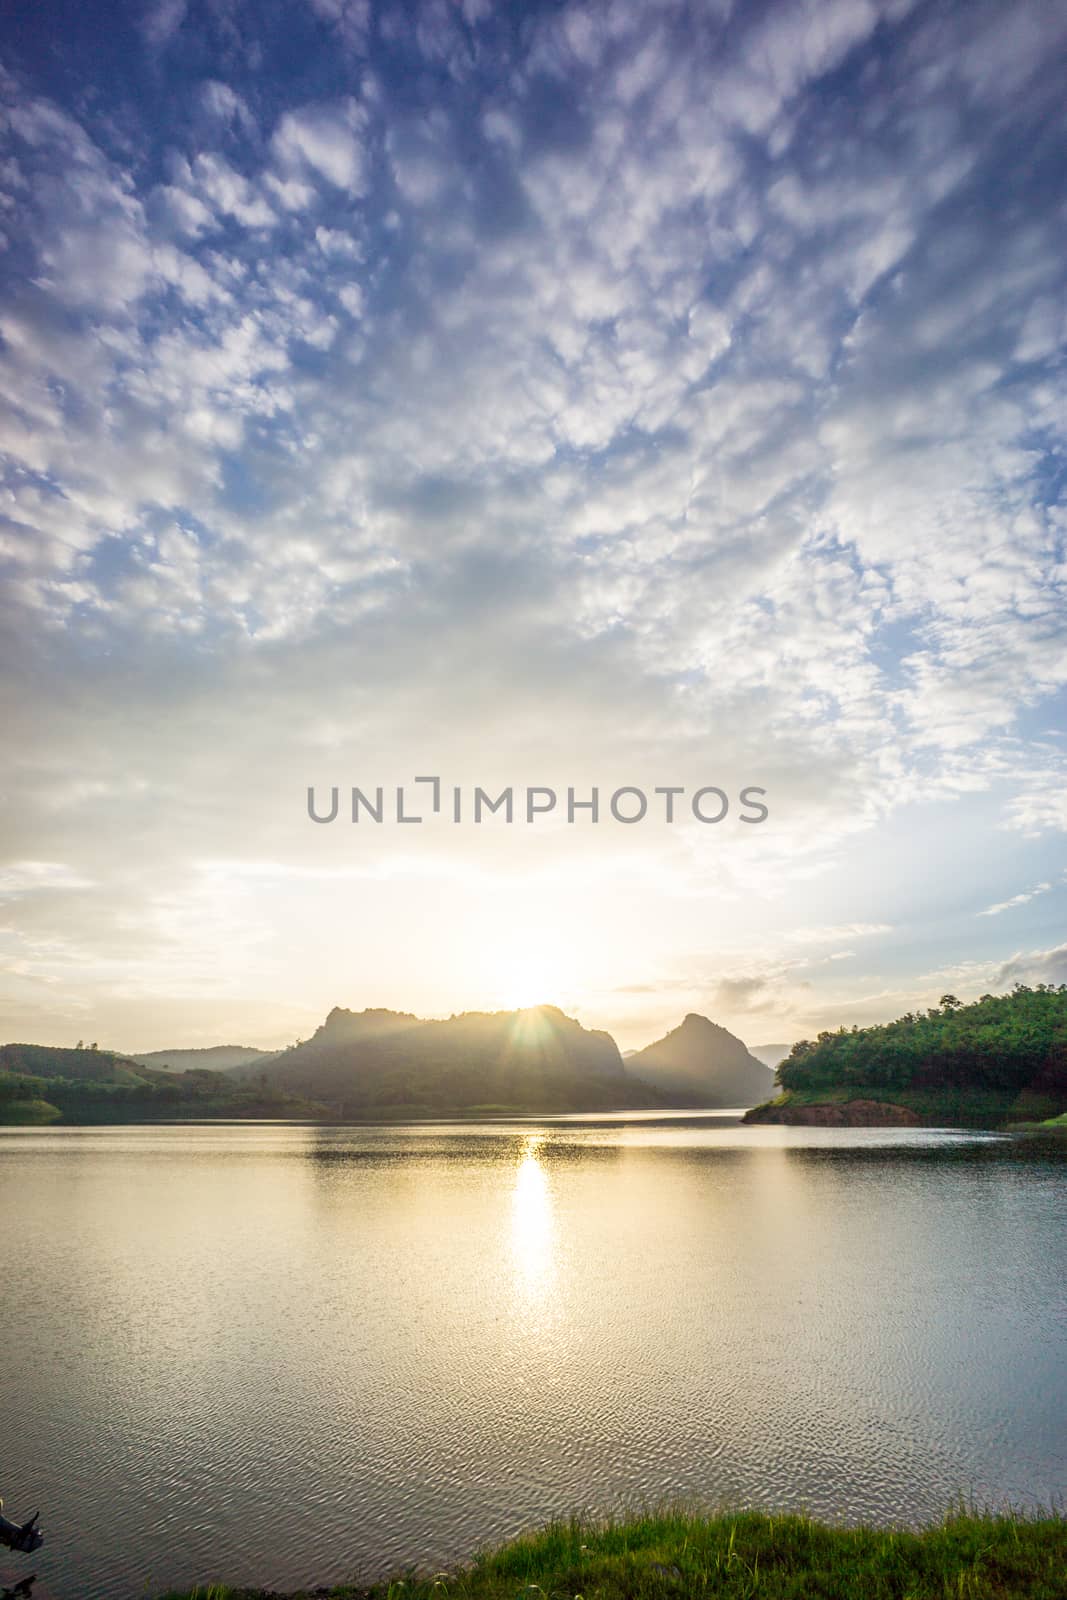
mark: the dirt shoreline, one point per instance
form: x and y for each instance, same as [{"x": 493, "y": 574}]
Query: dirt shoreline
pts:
[{"x": 843, "y": 1114}]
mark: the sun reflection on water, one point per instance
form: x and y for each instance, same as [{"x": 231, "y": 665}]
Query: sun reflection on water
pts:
[{"x": 532, "y": 1242}]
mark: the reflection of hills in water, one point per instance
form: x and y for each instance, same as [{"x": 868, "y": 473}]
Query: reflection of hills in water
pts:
[
  {"x": 430, "y": 1347},
  {"x": 696, "y": 1141},
  {"x": 453, "y": 1144}
]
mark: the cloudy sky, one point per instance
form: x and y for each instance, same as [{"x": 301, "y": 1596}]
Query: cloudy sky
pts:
[{"x": 639, "y": 393}]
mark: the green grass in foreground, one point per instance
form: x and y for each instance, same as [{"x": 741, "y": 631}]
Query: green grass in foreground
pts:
[
  {"x": 1054, "y": 1125},
  {"x": 745, "y": 1556}
]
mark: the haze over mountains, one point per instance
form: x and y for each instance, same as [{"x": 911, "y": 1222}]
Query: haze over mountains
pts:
[
  {"x": 382, "y": 1063},
  {"x": 770, "y": 1054},
  {"x": 537, "y": 1058},
  {"x": 215, "y": 1058},
  {"x": 701, "y": 1063}
]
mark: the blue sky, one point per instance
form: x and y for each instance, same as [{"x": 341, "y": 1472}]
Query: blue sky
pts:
[{"x": 575, "y": 395}]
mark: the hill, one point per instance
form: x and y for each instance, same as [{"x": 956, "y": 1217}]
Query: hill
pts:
[
  {"x": 216, "y": 1058},
  {"x": 77, "y": 1066},
  {"x": 371, "y": 1062},
  {"x": 47, "y": 1083},
  {"x": 1003, "y": 1058},
  {"x": 700, "y": 1063}
]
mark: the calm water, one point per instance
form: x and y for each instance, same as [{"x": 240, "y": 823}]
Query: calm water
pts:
[{"x": 277, "y": 1353}]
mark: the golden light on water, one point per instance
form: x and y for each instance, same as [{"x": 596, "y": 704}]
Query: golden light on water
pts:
[{"x": 532, "y": 1229}]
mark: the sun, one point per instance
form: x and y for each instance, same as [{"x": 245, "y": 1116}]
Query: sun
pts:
[{"x": 519, "y": 980}]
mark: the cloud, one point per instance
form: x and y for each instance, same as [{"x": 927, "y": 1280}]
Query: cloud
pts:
[
  {"x": 623, "y": 397},
  {"x": 742, "y": 994},
  {"x": 833, "y": 934},
  {"x": 1016, "y": 900},
  {"x": 326, "y": 139},
  {"x": 160, "y": 21},
  {"x": 211, "y": 183},
  {"x": 30, "y": 877},
  {"x": 224, "y": 103},
  {"x": 1037, "y": 966},
  {"x": 1041, "y": 807},
  {"x": 350, "y": 19}
]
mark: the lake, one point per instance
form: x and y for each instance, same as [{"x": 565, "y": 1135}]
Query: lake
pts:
[{"x": 275, "y": 1353}]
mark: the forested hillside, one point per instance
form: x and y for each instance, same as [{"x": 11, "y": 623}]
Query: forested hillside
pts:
[
  {"x": 1007, "y": 1042},
  {"x": 45, "y": 1083}
]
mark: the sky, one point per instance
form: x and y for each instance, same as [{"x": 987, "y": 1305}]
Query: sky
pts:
[{"x": 554, "y": 395}]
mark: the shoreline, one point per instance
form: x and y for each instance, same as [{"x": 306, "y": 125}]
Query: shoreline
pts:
[
  {"x": 862, "y": 1106},
  {"x": 395, "y": 1117},
  {"x": 735, "y": 1555}
]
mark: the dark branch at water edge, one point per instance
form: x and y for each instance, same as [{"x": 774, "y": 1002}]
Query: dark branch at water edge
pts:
[{"x": 25, "y": 1536}]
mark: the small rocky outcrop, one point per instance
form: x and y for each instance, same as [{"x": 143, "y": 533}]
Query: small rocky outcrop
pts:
[{"x": 834, "y": 1114}]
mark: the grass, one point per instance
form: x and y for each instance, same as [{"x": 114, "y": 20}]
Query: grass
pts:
[
  {"x": 743, "y": 1556},
  {"x": 1055, "y": 1125},
  {"x": 27, "y": 1113}
]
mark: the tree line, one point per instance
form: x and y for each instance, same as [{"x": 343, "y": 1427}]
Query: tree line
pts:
[{"x": 1010, "y": 1042}]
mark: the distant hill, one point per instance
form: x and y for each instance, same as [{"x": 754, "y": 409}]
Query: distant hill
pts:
[
  {"x": 769, "y": 1054},
  {"x": 216, "y": 1058},
  {"x": 47, "y": 1083},
  {"x": 536, "y": 1059},
  {"x": 700, "y": 1063},
  {"x": 377, "y": 1063},
  {"x": 77, "y": 1066}
]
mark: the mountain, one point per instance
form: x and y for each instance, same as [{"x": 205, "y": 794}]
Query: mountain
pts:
[
  {"x": 701, "y": 1064},
  {"x": 536, "y": 1059},
  {"x": 769, "y": 1054},
  {"x": 216, "y": 1058}
]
